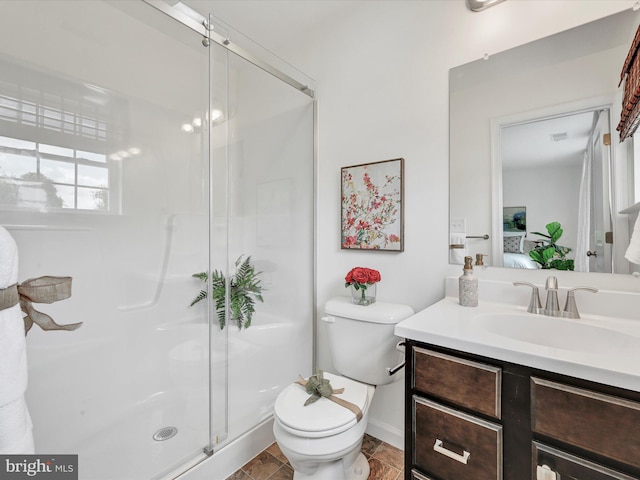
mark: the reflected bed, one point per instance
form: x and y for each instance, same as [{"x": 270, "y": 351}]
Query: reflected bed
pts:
[{"x": 519, "y": 260}]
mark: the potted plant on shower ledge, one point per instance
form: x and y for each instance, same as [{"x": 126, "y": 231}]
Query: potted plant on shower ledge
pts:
[{"x": 244, "y": 290}]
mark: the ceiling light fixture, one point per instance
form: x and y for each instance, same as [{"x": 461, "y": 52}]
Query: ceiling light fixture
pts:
[
  {"x": 479, "y": 5},
  {"x": 122, "y": 154}
]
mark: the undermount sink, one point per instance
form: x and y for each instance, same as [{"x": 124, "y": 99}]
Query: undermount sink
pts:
[{"x": 556, "y": 332}]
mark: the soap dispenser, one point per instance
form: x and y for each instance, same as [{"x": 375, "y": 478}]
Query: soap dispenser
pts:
[{"x": 468, "y": 285}]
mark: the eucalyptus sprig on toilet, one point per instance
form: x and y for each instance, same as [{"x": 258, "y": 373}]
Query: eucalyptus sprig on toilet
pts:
[{"x": 318, "y": 386}]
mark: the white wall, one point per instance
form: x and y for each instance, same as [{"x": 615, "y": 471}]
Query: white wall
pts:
[
  {"x": 381, "y": 71},
  {"x": 382, "y": 82}
]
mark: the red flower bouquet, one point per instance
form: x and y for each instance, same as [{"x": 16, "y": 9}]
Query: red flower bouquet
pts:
[{"x": 361, "y": 279}]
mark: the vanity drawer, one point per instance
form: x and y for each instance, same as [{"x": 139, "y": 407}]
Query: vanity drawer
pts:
[
  {"x": 415, "y": 475},
  {"x": 453, "y": 445},
  {"x": 596, "y": 422},
  {"x": 463, "y": 382},
  {"x": 569, "y": 466}
]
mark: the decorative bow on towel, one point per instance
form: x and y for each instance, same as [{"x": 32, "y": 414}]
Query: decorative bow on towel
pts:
[
  {"x": 318, "y": 386},
  {"x": 38, "y": 290}
]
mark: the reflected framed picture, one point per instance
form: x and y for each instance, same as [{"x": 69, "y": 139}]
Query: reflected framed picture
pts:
[
  {"x": 372, "y": 197},
  {"x": 514, "y": 219}
]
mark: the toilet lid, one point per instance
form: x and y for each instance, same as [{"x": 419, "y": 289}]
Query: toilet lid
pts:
[{"x": 323, "y": 415}]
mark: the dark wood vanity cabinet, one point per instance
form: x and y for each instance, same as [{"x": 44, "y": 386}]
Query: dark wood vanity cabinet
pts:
[{"x": 475, "y": 418}]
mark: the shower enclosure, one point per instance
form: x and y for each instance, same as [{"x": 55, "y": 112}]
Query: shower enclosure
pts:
[{"x": 136, "y": 150}]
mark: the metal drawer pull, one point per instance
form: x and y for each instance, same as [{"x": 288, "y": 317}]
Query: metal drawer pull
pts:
[
  {"x": 448, "y": 453},
  {"x": 544, "y": 472}
]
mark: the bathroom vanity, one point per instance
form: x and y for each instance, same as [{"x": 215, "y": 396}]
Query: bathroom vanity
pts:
[{"x": 527, "y": 401}]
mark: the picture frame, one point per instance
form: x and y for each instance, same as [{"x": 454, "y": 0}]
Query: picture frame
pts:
[
  {"x": 372, "y": 206},
  {"x": 514, "y": 219}
]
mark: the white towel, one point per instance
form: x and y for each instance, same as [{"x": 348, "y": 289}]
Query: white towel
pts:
[
  {"x": 15, "y": 424},
  {"x": 456, "y": 254},
  {"x": 633, "y": 251},
  {"x": 16, "y": 435}
]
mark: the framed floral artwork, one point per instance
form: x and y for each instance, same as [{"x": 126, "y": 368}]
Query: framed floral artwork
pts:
[{"x": 372, "y": 206}]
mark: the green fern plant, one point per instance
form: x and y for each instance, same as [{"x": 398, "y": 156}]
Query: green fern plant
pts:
[{"x": 244, "y": 290}]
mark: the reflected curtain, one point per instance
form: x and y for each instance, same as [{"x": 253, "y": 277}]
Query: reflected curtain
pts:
[{"x": 584, "y": 212}]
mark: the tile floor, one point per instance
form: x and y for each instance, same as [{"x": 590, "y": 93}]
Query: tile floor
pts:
[{"x": 386, "y": 462}]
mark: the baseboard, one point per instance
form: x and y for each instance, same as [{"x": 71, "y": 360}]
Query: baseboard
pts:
[
  {"x": 386, "y": 433},
  {"x": 226, "y": 461}
]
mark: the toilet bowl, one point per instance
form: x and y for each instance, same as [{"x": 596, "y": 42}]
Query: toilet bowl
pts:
[{"x": 323, "y": 440}]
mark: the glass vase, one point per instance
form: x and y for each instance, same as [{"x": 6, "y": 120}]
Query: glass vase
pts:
[{"x": 364, "y": 295}]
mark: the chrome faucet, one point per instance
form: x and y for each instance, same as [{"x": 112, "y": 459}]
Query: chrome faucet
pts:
[{"x": 552, "y": 307}]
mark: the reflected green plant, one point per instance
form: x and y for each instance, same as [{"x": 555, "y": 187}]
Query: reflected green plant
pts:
[{"x": 548, "y": 253}]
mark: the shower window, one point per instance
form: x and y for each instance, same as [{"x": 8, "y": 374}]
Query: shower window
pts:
[
  {"x": 37, "y": 168},
  {"x": 40, "y": 175}
]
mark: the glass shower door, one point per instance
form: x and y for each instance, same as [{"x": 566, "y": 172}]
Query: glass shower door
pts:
[
  {"x": 104, "y": 177},
  {"x": 262, "y": 154},
  {"x": 131, "y": 158}
]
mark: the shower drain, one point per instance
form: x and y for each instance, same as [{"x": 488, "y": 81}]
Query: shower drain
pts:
[{"x": 165, "y": 433}]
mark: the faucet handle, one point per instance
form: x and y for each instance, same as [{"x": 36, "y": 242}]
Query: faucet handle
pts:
[
  {"x": 570, "y": 307},
  {"x": 534, "y": 302}
]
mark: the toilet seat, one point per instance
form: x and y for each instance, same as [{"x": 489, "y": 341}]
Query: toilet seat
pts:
[{"x": 324, "y": 417}]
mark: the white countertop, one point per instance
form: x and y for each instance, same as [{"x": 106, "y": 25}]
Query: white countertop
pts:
[{"x": 447, "y": 324}]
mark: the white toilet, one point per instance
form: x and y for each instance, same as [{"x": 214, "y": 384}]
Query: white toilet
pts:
[{"x": 323, "y": 440}]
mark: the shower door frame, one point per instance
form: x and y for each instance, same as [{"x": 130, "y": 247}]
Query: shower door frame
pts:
[{"x": 209, "y": 35}]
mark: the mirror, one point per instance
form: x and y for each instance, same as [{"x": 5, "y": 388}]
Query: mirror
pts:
[{"x": 527, "y": 138}]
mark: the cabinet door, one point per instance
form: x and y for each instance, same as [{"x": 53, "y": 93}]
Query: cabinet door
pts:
[
  {"x": 452, "y": 445},
  {"x": 569, "y": 467},
  {"x": 561, "y": 411}
]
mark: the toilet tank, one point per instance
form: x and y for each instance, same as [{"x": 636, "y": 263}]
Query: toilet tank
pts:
[{"x": 361, "y": 338}]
